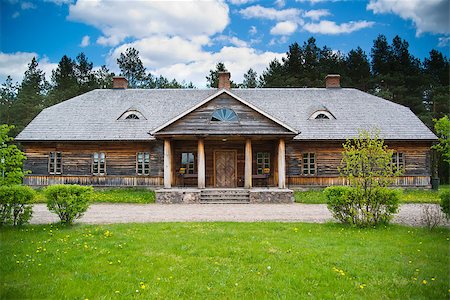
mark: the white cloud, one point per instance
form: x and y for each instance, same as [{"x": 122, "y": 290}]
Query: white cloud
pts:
[
  {"x": 15, "y": 64},
  {"x": 60, "y": 2},
  {"x": 316, "y": 14},
  {"x": 312, "y": 2},
  {"x": 190, "y": 62},
  {"x": 260, "y": 12},
  {"x": 141, "y": 19},
  {"x": 444, "y": 41},
  {"x": 280, "y": 3},
  {"x": 231, "y": 40},
  {"x": 15, "y": 15},
  {"x": 27, "y": 5},
  {"x": 253, "y": 30},
  {"x": 85, "y": 41},
  {"x": 330, "y": 27},
  {"x": 428, "y": 16},
  {"x": 284, "y": 28},
  {"x": 241, "y": 2}
]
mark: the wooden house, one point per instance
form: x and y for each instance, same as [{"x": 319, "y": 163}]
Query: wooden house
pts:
[{"x": 195, "y": 143}]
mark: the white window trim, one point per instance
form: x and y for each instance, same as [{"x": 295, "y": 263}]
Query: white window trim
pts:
[
  {"x": 326, "y": 113},
  {"x": 124, "y": 116}
]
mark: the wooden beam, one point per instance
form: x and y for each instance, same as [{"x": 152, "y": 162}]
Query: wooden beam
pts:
[
  {"x": 167, "y": 164},
  {"x": 281, "y": 164},
  {"x": 201, "y": 169},
  {"x": 248, "y": 164}
]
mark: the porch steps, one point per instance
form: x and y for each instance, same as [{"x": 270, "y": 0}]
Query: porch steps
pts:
[{"x": 225, "y": 196}]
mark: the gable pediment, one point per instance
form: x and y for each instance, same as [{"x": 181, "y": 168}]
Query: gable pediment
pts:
[{"x": 224, "y": 114}]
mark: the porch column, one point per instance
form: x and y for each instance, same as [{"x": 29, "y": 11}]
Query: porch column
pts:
[
  {"x": 167, "y": 164},
  {"x": 201, "y": 164},
  {"x": 281, "y": 164},
  {"x": 248, "y": 164}
]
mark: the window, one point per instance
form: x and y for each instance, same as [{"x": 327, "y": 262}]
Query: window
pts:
[
  {"x": 398, "y": 161},
  {"x": 321, "y": 115},
  {"x": 309, "y": 163},
  {"x": 99, "y": 164},
  {"x": 262, "y": 162},
  {"x": 132, "y": 117},
  {"x": 187, "y": 162},
  {"x": 224, "y": 115},
  {"x": 55, "y": 163},
  {"x": 143, "y": 163}
]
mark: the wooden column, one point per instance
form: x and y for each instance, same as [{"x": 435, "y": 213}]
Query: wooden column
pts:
[
  {"x": 281, "y": 164},
  {"x": 201, "y": 170},
  {"x": 167, "y": 164},
  {"x": 248, "y": 164}
]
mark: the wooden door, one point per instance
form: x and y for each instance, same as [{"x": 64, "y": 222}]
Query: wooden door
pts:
[{"x": 225, "y": 169}]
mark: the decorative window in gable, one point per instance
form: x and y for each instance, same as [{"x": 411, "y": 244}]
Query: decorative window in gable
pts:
[
  {"x": 224, "y": 115},
  {"x": 55, "y": 163},
  {"x": 132, "y": 115},
  {"x": 322, "y": 115}
]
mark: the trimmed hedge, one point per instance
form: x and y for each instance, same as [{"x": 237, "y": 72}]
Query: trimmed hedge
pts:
[
  {"x": 69, "y": 202},
  {"x": 445, "y": 203},
  {"x": 362, "y": 208},
  {"x": 15, "y": 204}
]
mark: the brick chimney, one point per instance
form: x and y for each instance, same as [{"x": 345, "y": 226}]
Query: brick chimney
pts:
[
  {"x": 333, "y": 81},
  {"x": 120, "y": 82},
  {"x": 224, "y": 80}
]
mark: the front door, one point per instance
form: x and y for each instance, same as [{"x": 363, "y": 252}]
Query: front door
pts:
[{"x": 225, "y": 168}]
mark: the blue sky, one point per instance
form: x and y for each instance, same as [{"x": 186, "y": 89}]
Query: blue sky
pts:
[{"x": 184, "y": 39}]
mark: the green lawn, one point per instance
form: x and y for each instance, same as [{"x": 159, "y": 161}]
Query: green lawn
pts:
[
  {"x": 316, "y": 196},
  {"x": 114, "y": 195},
  {"x": 223, "y": 260}
]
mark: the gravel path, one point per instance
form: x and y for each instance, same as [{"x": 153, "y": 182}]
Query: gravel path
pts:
[{"x": 409, "y": 214}]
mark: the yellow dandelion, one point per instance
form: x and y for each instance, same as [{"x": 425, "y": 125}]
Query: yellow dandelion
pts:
[
  {"x": 424, "y": 281},
  {"x": 433, "y": 279}
]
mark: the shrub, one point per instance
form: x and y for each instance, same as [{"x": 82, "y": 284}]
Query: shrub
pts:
[
  {"x": 431, "y": 216},
  {"x": 69, "y": 202},
  {"x": 356, "y": 207},
  {"x": 445, "y": 203},
  {"x": 15, "y": 204}
]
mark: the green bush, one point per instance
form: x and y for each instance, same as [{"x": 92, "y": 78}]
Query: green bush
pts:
[
  {"x": 69, "y": 202},
  {"x": 357, "y": 207},
  {"x": 15, "y": 204},
  {"x": 445, "y": 203}
]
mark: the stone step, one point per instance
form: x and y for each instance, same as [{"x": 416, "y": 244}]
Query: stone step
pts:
[
  {"x": 231, "y": 196},
  {"x": 224, "y": 201}
]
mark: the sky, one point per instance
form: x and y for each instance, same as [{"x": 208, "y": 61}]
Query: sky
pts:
[{"x": 185, "y": 39}]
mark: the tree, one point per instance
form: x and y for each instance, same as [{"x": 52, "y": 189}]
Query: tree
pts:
[
  {"x": 131, "y": 67},
  {"x": 442, "y": 127},
  {"x": 11, "y": 158},
  {"x": 367, "y": 166},
  {"x": 357, "y": 69},
  {"x": 64, "y": 82},
  {"x": 274, "y": 75},
  {"x": 250, "y": 79},
  {"x": 30, "y": 96},
  {"x": 8, "y": 95},
  {"x": 84, "y": 74},
  {"x": 103, "y": 78},
  {"x": 213, "y": 78},
  {"x": 436, "y": 77}
]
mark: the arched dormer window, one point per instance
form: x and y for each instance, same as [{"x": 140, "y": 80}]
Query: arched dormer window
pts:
[
  {"x": 132, "y": 115},
  {"x": 321, "y": 115},
  {"x": 224, "y": 115}
]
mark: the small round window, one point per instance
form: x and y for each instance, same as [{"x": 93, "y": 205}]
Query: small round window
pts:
[
  {"x": 224, "y": 115},
  {"x": 132, "y": 117},
  {"x": 322, "y": 116}
]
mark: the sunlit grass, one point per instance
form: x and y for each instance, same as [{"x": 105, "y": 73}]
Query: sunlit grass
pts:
[{"x": 223, "y": 260}]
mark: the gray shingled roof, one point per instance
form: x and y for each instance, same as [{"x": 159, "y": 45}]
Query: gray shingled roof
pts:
[{"x": 94, "y": 116}]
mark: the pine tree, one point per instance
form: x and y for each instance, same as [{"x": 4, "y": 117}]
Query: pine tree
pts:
[
  {"x": 64, "y": 82},
  {"x": 85, "y": 76},
  {"x": 274, "y": 75},
  {"x": 8, "y": 94},
  {"x": 132, "y": 68},
  {"x": 30, "y": 96},
  {"x": 103, "y": 78},
  {"x": 357, "y": 69},
  {"x": 212, "y": 80},
  {"x": 250, "y": 79}
]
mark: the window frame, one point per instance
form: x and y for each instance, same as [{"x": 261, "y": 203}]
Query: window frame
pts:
[
  {"x": 236, "y": 120},
  {"x": 309, "y": 156},
  {"x": 322, "y": 112},
  {"x": 98, "y": 165},
  {"x": 143, "y": 165},
  {"x": 52, "y": 166},
  {"x": 262, "y": 162},
  {"x": 190, "y": 167},
  {"x": 398, "y": 161}
]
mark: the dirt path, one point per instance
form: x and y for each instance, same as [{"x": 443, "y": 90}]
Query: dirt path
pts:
[{"x": 409, "y": 214}]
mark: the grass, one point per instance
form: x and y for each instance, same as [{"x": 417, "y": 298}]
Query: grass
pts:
[
  {"x": 316, "y": 196},
  {"x": 223, "y": 260}
]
